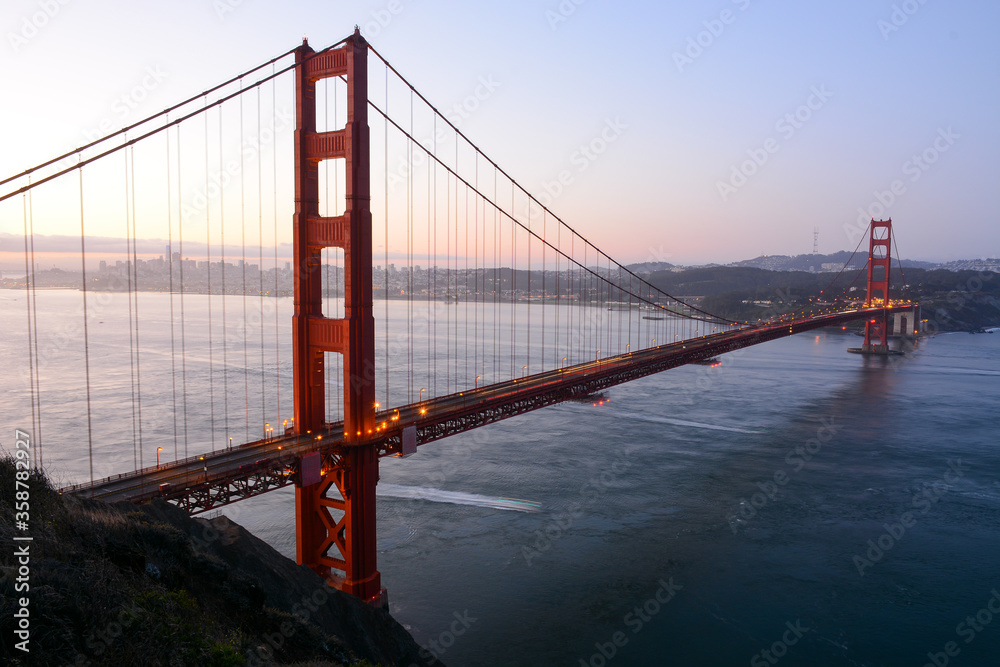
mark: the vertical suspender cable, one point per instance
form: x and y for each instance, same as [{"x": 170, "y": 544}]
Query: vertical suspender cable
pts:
[
  {"x": 260, "y": 266},
  {"x": 135, "y": 293},
  {"x": 243, "y": 265},
  {"x": 431, "y": 310},
  {"x": 31, "y": 345},
  {"x": 86, "y": 339},
  {"x": 34, "y": 328},
  {"x": 277, "y": 318},
  {"x": 180, "y": 241},
  {"x": 170, "y": 286},
  {"x": 225, "y": 294},
  {"x": 131, "y": 338},
  {"x": 409, "y": 254},
  {"x": 208, "y": 274},
  {"x": 385, "y": 244}
]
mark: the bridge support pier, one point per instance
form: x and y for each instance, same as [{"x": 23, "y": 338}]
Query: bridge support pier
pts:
[{"x": 335, "y": 495}]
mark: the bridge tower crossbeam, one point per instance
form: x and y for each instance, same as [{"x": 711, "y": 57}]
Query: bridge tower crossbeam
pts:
[{"x": 352, "y": 567}]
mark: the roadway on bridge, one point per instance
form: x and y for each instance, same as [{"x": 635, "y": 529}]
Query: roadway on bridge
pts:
[{"x": 228, "y": 466}]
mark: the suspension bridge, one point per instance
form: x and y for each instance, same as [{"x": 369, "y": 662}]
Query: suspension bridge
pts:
[{"x": 499, "y": 308}]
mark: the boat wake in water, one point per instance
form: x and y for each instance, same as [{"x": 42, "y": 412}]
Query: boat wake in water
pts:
[
  {"x": 455, "y": 497},
  {"x": 682, "y": 422}
]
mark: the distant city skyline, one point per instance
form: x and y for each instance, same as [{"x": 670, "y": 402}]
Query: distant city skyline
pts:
[{"x": 712, "y": 134}]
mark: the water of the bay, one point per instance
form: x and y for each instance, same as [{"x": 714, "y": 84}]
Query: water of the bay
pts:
[{"x": 822, "y": 507}]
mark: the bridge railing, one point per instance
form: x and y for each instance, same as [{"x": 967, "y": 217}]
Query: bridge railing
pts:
[{"x": 161, "y": 466}]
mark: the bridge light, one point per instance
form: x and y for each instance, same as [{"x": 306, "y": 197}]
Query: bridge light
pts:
[{"x": 423, "y": 411}]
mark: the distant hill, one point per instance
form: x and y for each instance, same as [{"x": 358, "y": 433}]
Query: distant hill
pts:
[
  {"x": 962, "y": 300},
  {"x": 649, "y": 267},
  {"x": 821, "y": 264}
]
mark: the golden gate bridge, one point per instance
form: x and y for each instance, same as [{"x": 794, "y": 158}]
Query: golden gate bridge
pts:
[{"x": 515, "y": 310}]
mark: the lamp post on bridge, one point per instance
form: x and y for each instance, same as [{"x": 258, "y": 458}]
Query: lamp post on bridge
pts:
[{"x": 158, "y": 450}]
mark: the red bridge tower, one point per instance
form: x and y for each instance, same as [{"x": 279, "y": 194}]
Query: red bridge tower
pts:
[
  {"x": 354, "y": 473},
  {"x": 877, "y": 329}
]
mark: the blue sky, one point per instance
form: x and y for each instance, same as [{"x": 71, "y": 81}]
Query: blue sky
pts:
[{"x": 733, "y": 128}]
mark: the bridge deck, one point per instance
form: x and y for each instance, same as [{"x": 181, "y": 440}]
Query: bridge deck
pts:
[{"x": 202, "y": 482}]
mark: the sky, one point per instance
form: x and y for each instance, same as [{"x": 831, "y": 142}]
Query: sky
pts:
[{"x": 685, "y": 132}]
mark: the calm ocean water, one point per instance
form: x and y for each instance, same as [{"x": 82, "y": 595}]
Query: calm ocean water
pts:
[{"x": 794, "y": 505}]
